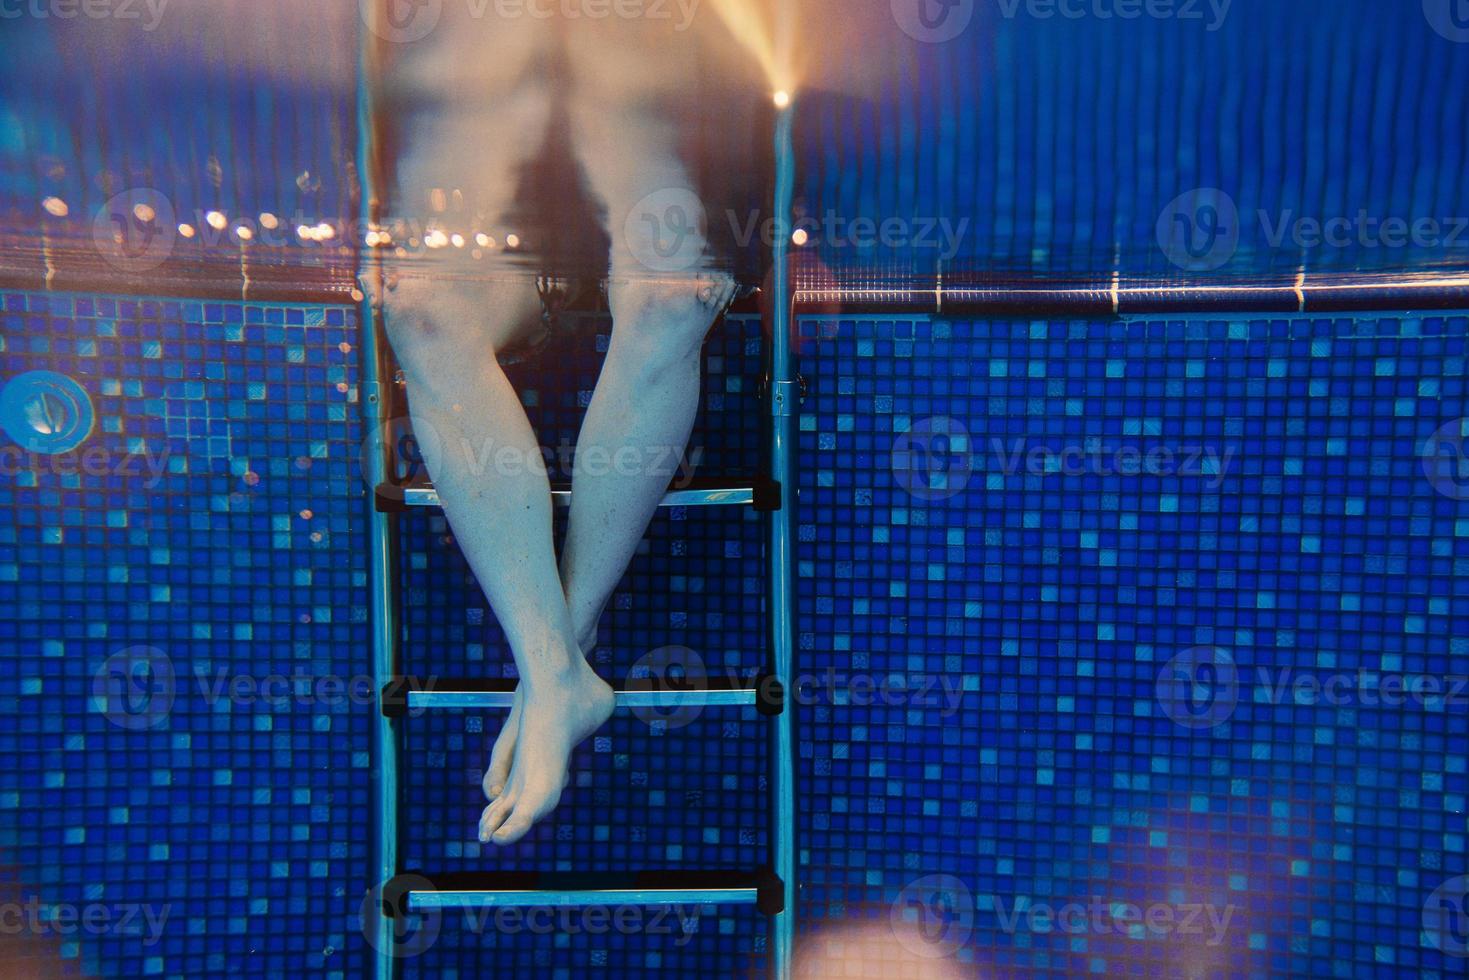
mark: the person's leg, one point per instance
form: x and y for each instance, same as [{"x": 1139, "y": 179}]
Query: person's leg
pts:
[
  {"x": 645, "y": 399},
  {"x": 662, "y": 300},
  {"x": 471, "y": 109},
  {"x": 639, "y": 420},
  {"x": 466, "y": 415},
  {"x": 465, "y": 108}
]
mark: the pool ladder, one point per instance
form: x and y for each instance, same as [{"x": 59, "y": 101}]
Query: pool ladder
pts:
[{"x": 770, "y": 887}]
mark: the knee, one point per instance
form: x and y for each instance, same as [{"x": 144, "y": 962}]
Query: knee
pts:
[
  {"x": 410, "y": 327},
  {"x": 448, "y": 331},
  {"x": 659, "y": 325},
  {"x": 432, "y": 346}
]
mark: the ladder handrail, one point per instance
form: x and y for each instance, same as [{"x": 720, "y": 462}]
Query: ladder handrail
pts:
[
  {"x": 784, "y": 401},
  {"x": 376, "y": 404}
]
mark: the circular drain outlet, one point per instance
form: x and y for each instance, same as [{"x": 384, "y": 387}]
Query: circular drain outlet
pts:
[{"x": 46, "y": 412}]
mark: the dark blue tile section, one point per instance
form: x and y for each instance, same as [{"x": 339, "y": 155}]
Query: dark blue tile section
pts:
[
  {"x": 1175, "y": 572},
  {"x": 213, "y": 544},
  {"x": 183, "y": 612}
]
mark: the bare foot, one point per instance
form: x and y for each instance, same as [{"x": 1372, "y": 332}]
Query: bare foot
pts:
[
  {"x": 555, "y": 716},
  {"x": 502, "y": 756}
]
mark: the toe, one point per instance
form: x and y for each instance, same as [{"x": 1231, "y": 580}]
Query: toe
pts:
[
  {"x": 498, "y": 774},
  {"x": 513, "y": 829},
  {"x": 502, "y": 755},
  {"x": 528, "y": 809},
  {"x": 494, "y": 815},
  {"x": 716, "y": 291}
]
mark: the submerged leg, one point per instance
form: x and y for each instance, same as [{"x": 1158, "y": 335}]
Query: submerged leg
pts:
[
  {"x": 491, "y": 477},
  {"x": 473, "y": 106},
  {"x": 636, "y": 428},
  {"x": 642, "y": 410}
]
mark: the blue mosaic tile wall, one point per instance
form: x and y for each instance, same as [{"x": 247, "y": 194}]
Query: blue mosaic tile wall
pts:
[
  {"x": 1246, "y": 497},
  {"x": 214, "y": 533},
  {"x": 239, "y": 554},
  {"x": 1033, "y": 677}
]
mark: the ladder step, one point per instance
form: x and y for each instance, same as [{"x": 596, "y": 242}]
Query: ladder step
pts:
[
  {"x": 403, "y": 694},
  {"x": 415, "y": 892},
  {"x": 758, "y": 491}
]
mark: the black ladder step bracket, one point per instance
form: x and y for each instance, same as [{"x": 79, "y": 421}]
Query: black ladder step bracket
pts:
[
  {"x": 415, "y": 892},
  {"x": 393, "y": 699},
  {"x": 404, "y": 694},
  {"x": 759, "y": 492},
  {"x": 767, "y": 497},
  {"x": 771, "y": 698},
  {"x": 390, "y": 498}
]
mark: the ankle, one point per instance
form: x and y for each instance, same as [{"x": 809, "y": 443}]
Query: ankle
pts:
[
  {"x": 555, "y": 675},
  {"x": 546, "y": 653}
]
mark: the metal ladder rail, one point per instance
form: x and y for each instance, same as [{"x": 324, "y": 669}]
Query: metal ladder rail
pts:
[
  {"x": 758, "y": 491},
  {"x": 783, "y": 396},
  {"x": 382, "y": 530}
]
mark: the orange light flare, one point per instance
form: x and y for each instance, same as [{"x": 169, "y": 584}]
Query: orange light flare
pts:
[
  {"x": 761, "y": 29},
  {"x": 875, "y": 950}
]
